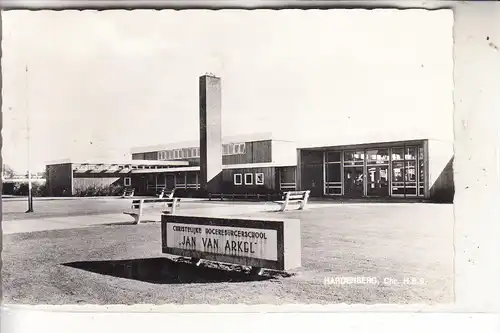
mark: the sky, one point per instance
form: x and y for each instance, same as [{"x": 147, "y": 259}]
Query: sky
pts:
[{"x": 100, "y": 83}]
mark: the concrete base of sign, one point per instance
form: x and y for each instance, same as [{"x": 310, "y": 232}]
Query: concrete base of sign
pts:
[
  {"x": 270, "y": 243},
  {"x": 257, "y": 271}
]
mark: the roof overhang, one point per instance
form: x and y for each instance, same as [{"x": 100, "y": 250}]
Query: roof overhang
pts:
[
  {"x": 384, "y": 144},
  {"x": 135, "y": 163},
  {"x": 224, "y": 167}
]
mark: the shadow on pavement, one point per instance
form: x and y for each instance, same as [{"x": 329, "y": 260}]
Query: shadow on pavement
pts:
[{"x": 167, "y": 271}]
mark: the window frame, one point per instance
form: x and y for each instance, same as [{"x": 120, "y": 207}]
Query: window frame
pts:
[
  {"x": 125, "y": 181},
  {"x": 245, "y": 179},
  {"x": 241, "y": 179},
  {"x": 256, "y": 178}
]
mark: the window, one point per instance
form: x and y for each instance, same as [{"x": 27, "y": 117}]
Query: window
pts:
[
  {"x": 421, "y": 168},
  {"x": 238, "y": 179},
  {"x": 242, "y": 148},
  {"x": 411, "y": 153},
  {"x": 248, "y": 178},
  {"x": 397, "y": 154},
  {"x": 259, "y": 178},
  {"x": 333, "y": 156},
  {"x": 287, "y": 175},
  {"x": 405, "y": 174},
  {"x": 377, "y": 156},
  {"x": 354, "y": 157},
  {"x": 333, "y": 173},
  {"x": 225, "y": 150},
  {"x": 127, "y": 181},
  {"x": 160, "y": 154},
  {"x": 176, "y": 154}
]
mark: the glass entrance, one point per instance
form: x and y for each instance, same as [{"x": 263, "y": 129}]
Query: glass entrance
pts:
[
  {"x": 377, "y": 181},
  {"x": 353, "y": 182},
  {"x": 375, "y": 172}
]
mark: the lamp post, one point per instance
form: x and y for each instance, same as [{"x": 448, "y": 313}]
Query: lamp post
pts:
[{"x": 30, "y": 193}]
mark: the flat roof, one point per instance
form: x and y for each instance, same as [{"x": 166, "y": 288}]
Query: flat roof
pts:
[
  {"x": 359, "y": 144},
  {"x": 126, "y": 162}
]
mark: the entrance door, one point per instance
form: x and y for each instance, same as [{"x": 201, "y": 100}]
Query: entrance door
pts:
[
  {"x": 377, "y": 181},
  {"x": 312, "y": 179},
  {"x": 353, "y": 182}
]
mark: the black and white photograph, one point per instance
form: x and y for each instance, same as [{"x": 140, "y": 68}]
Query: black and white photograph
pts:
[{"x": 228, "y": 157}]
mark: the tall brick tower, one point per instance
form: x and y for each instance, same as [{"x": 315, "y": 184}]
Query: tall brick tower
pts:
[{"x": 210, "y": 133}]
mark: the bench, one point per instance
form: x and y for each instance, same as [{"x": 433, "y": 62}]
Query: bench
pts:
[
  {"x": 164, "y": 193},
  {"x": 293, "y": 197},
  {"x": 128, "y": 192},
  {"x": 138, "y": 205}
]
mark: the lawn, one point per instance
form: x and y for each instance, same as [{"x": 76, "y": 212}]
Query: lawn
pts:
[{"x": 123, "y": 264}]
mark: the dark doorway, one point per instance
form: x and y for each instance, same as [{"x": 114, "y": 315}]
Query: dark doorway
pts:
[
  {"x": 312, "y": 179},
  {"x": 377, "y": 181},
  {"x": 353, "y": 182}
]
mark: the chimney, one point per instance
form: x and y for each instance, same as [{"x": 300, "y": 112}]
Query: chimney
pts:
[{"x": 210, "y": 134}]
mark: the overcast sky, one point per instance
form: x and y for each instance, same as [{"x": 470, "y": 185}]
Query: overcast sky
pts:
[{"x": 99, "y": 83}]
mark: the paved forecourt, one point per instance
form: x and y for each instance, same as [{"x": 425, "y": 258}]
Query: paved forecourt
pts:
[{"x": 103, "y": 258}]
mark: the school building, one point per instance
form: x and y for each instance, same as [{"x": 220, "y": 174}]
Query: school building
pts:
[{"x": 262, "y": 163}]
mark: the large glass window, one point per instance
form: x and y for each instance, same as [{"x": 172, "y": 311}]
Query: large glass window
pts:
[
  {"x": 377, "y": 156},
  {"x": 333, "y": 178},
  {"x": 387, "y": 171},
  {"x": 354, "y": 157},
  {"x": 397, "y": 154},
  {"x": 421, "y": 171},
  {"x": 377, "y": 180},
  {"x": 333, "y": 173},
  {"x": 411, "y": 153},
  {"x": 397, "y": 172},
  {"x": 404, "y": 171},
  {"x": 333, "y": 156}
]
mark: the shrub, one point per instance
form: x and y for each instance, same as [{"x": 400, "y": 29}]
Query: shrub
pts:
[
  {"x": 97, "y": 190},
  {"x": 37, "y": 189}
]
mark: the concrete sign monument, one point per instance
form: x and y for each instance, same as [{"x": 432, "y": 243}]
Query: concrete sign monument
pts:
[{"x": 273, "y": 244}]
